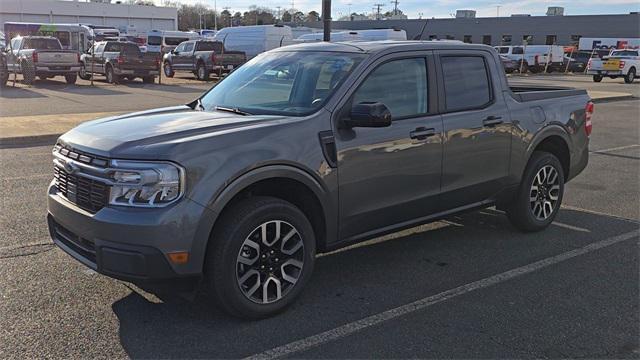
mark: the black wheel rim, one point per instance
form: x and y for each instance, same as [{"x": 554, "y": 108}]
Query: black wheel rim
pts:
[
  {"x": 544, "y": 193},
  {"x": 270, "y": 262}
]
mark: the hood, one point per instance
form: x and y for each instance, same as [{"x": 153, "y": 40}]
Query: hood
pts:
[{"x": 113, "y": 135}]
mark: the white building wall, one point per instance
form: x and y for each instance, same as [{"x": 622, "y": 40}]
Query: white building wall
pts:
[{"x": 145, "y": 18}]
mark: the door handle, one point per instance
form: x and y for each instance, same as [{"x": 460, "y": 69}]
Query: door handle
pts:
[
  {"x": 422, "y": 133},
  {"x": 492, "y": 121}
]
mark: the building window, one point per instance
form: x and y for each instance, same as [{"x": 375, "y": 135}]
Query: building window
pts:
[
  {"x": 551, "y": 39},
  {"x": 450, "y": 37},
  {"x": 575, "y": 40},
  {"x": 528, "y": 39},
  {"x": 486, "y": 39},
  {"x": 506, "y": 39},
  {"x": 467, "y": 39}
]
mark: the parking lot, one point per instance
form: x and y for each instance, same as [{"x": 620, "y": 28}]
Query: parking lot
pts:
[{"x": 470, "y": 286}]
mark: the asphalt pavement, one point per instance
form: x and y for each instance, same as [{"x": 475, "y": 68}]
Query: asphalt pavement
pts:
[{"x": 468, "y": 287}]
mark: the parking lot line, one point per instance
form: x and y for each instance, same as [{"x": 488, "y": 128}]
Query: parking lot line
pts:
[
  {"x": 615, "y": 149},
  {"x": 373, "y": 320}
]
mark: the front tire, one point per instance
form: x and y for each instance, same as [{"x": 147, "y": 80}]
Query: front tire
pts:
[
  {"x": 261, "y": 255},
  {"x": 83, "y": 74},
  {"x": 168, "y": 70},
  {"x": 597, "y": 78},
  {"x": 112, "y": 78},
  {"x": 539, "y": 196},
  {"x": 631, "y": 75}
]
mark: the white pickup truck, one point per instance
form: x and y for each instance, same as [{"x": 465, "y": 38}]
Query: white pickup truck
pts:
[
  {"x": 620, "y": 63},
  {"x": 41, "y": 56}
]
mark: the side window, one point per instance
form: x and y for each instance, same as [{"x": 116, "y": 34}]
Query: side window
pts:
[
  {"x": 399, "y": 84},
  {"x": 188, "y": 47},
  {"x": 463, "y": 91},
  {"x": 100, "y": 49},
  {"x": 113, "y": 47},
  {"x": 180, "y": 48},
  {"x": 15, "y": 44}
]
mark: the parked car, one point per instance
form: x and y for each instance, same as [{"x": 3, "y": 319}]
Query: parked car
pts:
[
  {"x": 238, "y": 190},
  {"x": 620, "y": 63},
  {"x": 162, "y": 41},
  {"x": 42, "y": 56},
  {"x": 202, "y": 57},
  {"x": 578, "y": 60},
  {"x": 118, "y": 60},
  {"x": 509, "y": 65},
  {"x": 535, "y": 58}
]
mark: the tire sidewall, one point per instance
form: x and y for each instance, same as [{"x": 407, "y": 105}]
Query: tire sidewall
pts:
[
  {"x": 538, "y": 160},
  {"x": 228, "y": 248}
]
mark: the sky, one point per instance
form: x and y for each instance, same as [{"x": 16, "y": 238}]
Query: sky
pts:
[{"x": 441, "y": 8}]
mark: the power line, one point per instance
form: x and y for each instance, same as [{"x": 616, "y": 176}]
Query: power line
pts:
[
  {"x": 395, "y": 6},
  {"x": 378, "y": 6}
]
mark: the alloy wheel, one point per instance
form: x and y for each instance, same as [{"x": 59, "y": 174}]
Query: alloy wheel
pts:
[
  {"x": 544, "y": 192},
  {"x": 270, "y": 262}
]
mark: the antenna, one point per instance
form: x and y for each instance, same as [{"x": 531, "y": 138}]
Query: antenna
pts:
[
  {"x": 378, "y": 6},
  {"x": 395, "y": 6}
]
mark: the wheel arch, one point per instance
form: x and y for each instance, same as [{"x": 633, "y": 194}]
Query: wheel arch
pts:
[
  {"x": 285, "y": 182},
  {"x": 556, "y": 141}
]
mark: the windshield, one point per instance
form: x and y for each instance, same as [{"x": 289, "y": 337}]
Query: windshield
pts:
[
  {"x": 154, "y": 40},
  {"x": 283, "y": 83},
  {"x": 42, "y": 44}
]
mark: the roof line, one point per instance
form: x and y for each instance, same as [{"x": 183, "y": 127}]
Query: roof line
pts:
[{"x": 348, "y": 44}]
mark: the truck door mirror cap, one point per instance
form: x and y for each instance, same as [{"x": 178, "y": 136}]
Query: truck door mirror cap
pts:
[{"x": 369, "y": 114}]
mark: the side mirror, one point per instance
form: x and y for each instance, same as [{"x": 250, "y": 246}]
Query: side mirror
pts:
[{"x": 369, "y": 114}]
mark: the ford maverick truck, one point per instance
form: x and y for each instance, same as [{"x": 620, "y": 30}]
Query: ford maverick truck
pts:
[{"x": 306, "y": 149}]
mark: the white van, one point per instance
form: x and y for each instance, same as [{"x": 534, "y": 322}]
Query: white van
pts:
[
  {"x": 163, "y": 41},
  {"x": 255, "y": 39},
  {"x": 358, "y": 35},
  {"x": 535, "y": 57}
]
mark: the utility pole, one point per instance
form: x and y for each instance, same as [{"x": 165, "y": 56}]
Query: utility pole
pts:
[
  {"x": 349, "y": 4},
  {"x": 215, "y": 14},
  {"x": 326, "y": 20},
  {"x": 378, "y": 6},
  {"x": 395, "y": 6}
]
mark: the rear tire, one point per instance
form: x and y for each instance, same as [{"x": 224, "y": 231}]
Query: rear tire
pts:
[
  {"x": 83, "y": 74},
  {"x": 28, "y": 72},
  {"x": 112, "y": 78},
  {"x": 71, "y": 78},
  {"x": 597, "y": 78},
  {"x": 631, "y": 75},
  {"x": 254, "y": 273},
  {"x": 539, "y": 196},
  {"x": 202, "y": 73}
]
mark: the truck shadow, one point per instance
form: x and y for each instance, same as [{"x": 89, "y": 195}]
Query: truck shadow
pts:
[
  {"x": 359, "y": 282},
  {"x": 11, "y": 92}
]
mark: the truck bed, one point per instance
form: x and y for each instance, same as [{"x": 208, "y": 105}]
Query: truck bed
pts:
[{"x": 525, "y": 92}]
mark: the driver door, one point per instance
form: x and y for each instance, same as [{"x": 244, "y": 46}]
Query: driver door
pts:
[{"x": 389, "y": 177}]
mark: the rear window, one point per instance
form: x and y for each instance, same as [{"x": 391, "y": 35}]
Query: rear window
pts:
[
  {"x": 624, "y": 53},
  {"x": 172, "y": 41},
  {"x": 131, "y": 50},
  {"x": 503, "y": 50},
  {"x": 209, "y": 46},
  {"x": 113, "y": 47},
  {"x": 461, "y": 90},
  {"x": 154, "y": 40},
  {"x": 518, "y": 51},
  {"x": 42, "y": 44}
]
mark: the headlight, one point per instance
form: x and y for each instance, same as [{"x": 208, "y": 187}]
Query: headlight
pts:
[{"x": 145, "y": 184}]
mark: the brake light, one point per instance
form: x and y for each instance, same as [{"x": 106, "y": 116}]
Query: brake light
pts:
[
  {"x": 158, "y": 62},
  {"x": 621, "y": 65},
  {"x": 120, "y": 59},
  {"x": 588, "y": 113},
  {"x": 34, "y": 57}
]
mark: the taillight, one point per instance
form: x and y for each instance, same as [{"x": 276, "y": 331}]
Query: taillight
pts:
[
  {"x": 120, "y": 59},
  {"x": 588, "y": 113},
  {"x": 621, "y": 65},
  {"x": 213, "y": 57},
  {"x": 34, "y": 57},
  {"x": 158, "y": 62}
]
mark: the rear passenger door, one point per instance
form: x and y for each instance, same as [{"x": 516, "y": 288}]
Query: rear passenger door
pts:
[
  {"x": 477, "y": 128},
  {"x": 390, "y": 176}
]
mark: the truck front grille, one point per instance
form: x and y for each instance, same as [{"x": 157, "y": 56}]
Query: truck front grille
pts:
[{"x": 88, "y": 194}]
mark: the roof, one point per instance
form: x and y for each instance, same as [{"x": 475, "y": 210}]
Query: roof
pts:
[{"x": 370, "y": 47}]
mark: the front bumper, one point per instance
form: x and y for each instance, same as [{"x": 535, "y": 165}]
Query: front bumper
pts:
[{"x": 128, "y": 243}]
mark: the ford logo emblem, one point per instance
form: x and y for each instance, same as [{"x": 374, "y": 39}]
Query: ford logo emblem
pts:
[{"x": 70, "y": 168}]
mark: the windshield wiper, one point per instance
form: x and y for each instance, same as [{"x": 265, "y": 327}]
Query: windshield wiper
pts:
[{"x": 232, "y": 110}]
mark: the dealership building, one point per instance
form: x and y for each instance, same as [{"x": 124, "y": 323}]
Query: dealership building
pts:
[
  {"x": 537, "y": 30},
  {"x": 123, "y": 16}
]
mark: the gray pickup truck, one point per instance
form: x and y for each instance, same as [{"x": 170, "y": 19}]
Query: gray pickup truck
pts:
[
  {"x": 41, "y": 56},
  {"x": 118, "y": 60},
  {"x": 306, "y": 149},
  {"x": 202, "y": 57}
]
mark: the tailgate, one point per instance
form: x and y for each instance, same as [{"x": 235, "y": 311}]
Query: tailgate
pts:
[
  {"x": 232, "y": 59},
  {"x": 145, "y": 62},
  {"x": 54, "y": 57},
  {"x": 606, "y": 65}
]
